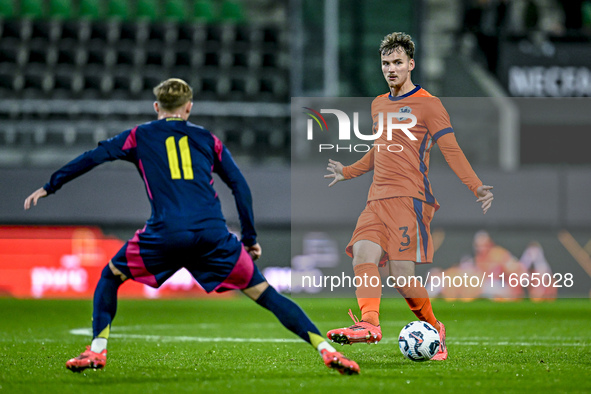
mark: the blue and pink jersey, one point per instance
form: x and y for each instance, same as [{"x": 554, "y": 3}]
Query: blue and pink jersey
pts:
[{"x": 176, "y": 160}]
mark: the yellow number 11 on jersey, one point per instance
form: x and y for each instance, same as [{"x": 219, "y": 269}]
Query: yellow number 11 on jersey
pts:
[{"x": 173, "y": 158}]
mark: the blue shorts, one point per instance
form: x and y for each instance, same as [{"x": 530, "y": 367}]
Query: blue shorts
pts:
[{"x": 214, "y": 256}]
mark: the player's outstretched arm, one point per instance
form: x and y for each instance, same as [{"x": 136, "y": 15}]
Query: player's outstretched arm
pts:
[
  {"x": 342, "y": 173},
  {"x": 336, "y": 172},
  {"x": 485, "y": 196},
  {"x": 229, "y": 172},
  {"x": 34, "y": 197}
]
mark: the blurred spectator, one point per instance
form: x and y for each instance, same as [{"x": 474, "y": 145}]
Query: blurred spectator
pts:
[
  {"x": 497, "y": 266},
  {"x": 534, "y": 262},
  {"x": 487, "y": 21},
  {"x": 492, "y": 21},
  {"x": 573, "y": 15},
  {"x": 466, "y": 291},
  {"x": 491, "y": 258}
]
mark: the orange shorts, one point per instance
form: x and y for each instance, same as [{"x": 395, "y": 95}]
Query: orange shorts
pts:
[{"x": 400, "y": 225}]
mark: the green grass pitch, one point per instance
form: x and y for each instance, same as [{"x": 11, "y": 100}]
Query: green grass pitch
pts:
[{"x": 226, "y": 345}]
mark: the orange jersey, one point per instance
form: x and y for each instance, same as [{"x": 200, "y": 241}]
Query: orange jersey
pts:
[{"x": 401, "y": 165}]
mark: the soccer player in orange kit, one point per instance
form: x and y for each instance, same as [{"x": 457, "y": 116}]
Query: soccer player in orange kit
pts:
[{"x": 394, "y": 227}]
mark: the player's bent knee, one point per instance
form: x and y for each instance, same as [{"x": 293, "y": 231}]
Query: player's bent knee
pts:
[
  {"x": 110, "y": 271},
  {"x": 366, "y": 252},
  {"x": 255, "y": 291}
]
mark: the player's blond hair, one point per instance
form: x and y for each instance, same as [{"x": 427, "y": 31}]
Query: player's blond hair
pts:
[
  {"x": 393, "y": 41},
  {"x": 173, "y": 93}
]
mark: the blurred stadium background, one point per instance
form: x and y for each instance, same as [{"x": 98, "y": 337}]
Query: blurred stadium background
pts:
[{"x": 514, "y": 75}]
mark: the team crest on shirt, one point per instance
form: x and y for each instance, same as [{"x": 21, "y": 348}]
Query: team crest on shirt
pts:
[{"x": 404, "y": 110}]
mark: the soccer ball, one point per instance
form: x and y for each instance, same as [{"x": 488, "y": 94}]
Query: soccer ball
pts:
[{"x": 419, "y": 341}]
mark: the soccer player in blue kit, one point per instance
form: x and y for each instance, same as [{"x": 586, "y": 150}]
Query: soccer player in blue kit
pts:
[{"x": 176, "y": 160}]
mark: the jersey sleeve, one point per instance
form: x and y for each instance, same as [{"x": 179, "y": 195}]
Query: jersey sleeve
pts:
[
  {"x": 229, "y": 172},
  {"x": 436, "y": 118},
  {"x": 361, "y": 166},
  {"x": 457, "y": 161},
  {"x": 118, "y": 147}
]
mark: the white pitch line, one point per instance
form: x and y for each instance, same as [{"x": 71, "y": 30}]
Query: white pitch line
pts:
[
  {"x": 458, "y": 341},
  {"x": 167, "y": 338},
  {"x": 28, "y": 340}
]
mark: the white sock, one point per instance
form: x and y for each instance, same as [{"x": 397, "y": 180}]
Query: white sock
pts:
[
  {"x": 325, "y": 345},
  {"x": 98, "y": 345}
]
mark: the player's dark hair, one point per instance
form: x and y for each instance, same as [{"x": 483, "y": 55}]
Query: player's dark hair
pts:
[
  {"x": 393, "y": 41},
  {"x": 173, "y": 93}
]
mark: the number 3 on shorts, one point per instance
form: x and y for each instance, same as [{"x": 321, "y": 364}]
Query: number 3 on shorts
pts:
[{"x": 405, "y": 236}]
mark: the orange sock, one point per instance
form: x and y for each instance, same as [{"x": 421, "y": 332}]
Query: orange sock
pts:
[
  {"x": 417, "y": 298},
  {"x": 368, "y": 296}
]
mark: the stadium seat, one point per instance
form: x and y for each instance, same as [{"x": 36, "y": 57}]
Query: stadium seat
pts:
[
  {"x": 213, "y": 34},
  {"x": 175, "y": 10},
  {"x": 212, "y": 59},
  {"x": 182, "y": 59},
  {"x": 204, "y": 11},
  {"x": 106, "y": 85},
  {"x": 231, "y": 11},
  {"x": 127, "y": 82},
  {"x": 50, "y": 29},
  {"x": 227, "y": 33},
  {"x": 276, "y": 139},
  {"x": 7, "y": 9},
  {"x": 168, "y": 58},
  {"x": 32, "y": 9},
  {"x": 51, "y": 56},
  {"x": 186, "y": 74},
  {"x": 61, "y": 9},
  {"x": 269, "y": 60},
  {"x": 109, "y": 30},
  {"x": 38, "y": 52},
  {"x": 147, "y": 10},
  {"x": 11, "y": 29},
  {"x": 54, "y": 136},
  {"x": 68, "y": 81},
  {"x": 240, "y": 59},
  {"x": 9, "y": 49},
  {"x": 18, "y": 82},
  {"x": 271, "y": 36},
  {"x": 167, "y": 33},
  {"x": 6, "y": 77},
  {"x": 92, "y": 82},
  {"x": 84, "y": 138},
  {"x": 232, "y": 137},
  {"x": 252, "y": 87},
  {"x": 241, "y": 35},
  {"x": 208, "y": 85},
  {"x": 67, "y": 53},
  {"x": 223, "y": 86},
  {"x": 139, "y": 56},
  {"x": 150, "y": 81},
  {"x": 124, "y": 56},
  {"x": 90, "y": 9},
  {"x": 75, "y": 29},
  {"x": 132, "y": 32},
  {"x": 24, "y": 135},
  {"x": 266, "y": 86},
  {"x": 238, "y": 88},
  {"x": 154, "y": 56},
  {"x": 99, "y": 55},
  {"x": 195, "y": 33},
  {"x": 9, "y": 134},
  {"x": 34, "y": 79},
  {"x": 118, "y": 9}
]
